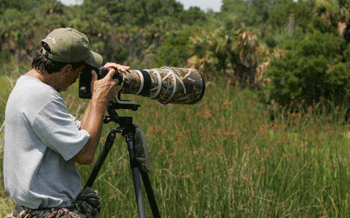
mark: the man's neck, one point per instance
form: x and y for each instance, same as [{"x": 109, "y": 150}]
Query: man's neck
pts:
[
  {"x": 43, "y": 77},
  {"x": 35, "y": 73}
]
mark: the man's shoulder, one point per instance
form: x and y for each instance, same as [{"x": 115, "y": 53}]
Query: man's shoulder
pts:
[
  {"x": 33, "y": 88},
  {"x": 30, "y": 95}
]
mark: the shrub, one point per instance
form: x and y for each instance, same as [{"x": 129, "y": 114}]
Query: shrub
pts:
[
  {"x": 312, "y": 69},
  {"x": 174, "y": 49}
]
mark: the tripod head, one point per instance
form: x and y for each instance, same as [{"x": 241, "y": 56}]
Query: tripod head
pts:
[
  {"x": 119, "y": 104},
  {"x": 124, "y": 104}
]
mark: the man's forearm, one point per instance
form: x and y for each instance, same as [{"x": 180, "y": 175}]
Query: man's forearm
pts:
[{"x": 91, "y": 121}]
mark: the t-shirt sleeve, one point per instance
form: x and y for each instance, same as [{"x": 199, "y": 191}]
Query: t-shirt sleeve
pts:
[
  {"x": 59, "y": 130},
  {"x": 77, "y": 122}
]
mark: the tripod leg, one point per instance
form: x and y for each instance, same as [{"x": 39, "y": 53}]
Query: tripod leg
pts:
[
  {"x": 101, "y": 159},
  {"x": 138, "y": 192},
  {"x": 136, "y": 175},
  {"x": 150, "y": 194}
]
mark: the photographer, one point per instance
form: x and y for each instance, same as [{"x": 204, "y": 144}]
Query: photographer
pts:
[{"x": 43, "y": 141}]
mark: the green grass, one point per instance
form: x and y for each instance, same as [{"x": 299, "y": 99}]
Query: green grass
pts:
[{"x": 224, "y": 157}]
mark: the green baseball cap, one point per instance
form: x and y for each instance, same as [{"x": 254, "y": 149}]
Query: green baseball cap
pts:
[{"x": 70, "y": 46}]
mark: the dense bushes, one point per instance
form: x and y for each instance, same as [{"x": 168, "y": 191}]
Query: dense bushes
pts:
[
  {"x": 312, "y": 68},
  {"x": 174, "y": 49}
]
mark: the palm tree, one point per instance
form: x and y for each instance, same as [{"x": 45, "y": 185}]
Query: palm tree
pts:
[
  {"x": 337, "y": 12},
  {"x": 244, "y": 57}
]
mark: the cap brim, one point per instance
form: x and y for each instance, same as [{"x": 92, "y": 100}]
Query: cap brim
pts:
[{"x": 94, "y": 60}]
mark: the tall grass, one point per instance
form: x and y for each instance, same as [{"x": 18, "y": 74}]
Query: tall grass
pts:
[{"x": 225, "y": 157}]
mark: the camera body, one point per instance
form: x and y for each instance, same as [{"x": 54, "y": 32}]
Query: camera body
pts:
[{"x": 85, "y": 79}]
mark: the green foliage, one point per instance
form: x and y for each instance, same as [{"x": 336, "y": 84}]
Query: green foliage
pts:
[
  {"x": 270, "y": 41},
  {"x": 192, "y": 16},
  {"x": 174, "y": 49},
  {"x": 321, "y": 25},
  {"x": 211, "y": 50},
  {"x": 310, "y": 70},
  {"x": 135, "y": 12},
  {"x": 242, "y": 10},
  {"x": 228, "y": 51},
  {"x": 21, "y": 5},
  {"x": 4, "y": 57},
  {"x": 279, "y": 17},
  {"x": 4, "y": 93},
  {"x": 257, "y": 12},
  {"x": 339, "y": 76}
]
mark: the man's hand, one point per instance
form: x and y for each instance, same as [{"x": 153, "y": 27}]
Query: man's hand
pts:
[
  {"x": 105, "y": 89},
  {"x": 120, "y": 68}
]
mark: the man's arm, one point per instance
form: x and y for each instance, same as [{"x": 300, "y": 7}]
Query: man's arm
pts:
[{"x": 92, "y": 123}]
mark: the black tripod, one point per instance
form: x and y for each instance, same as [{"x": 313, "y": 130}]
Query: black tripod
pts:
[{"x": 126, "y": 129}]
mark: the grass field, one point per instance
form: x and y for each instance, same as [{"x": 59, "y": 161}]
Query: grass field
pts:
[{"x": 225, "y": 157}]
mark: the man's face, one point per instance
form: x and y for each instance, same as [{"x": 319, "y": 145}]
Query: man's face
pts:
[{"x": 67, "y": 77}]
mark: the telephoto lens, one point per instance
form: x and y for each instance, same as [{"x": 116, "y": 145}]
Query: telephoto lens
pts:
[{"x": 166, "y": 84}]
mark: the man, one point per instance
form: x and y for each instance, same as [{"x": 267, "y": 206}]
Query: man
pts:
[{"x": 43, "y": 141}]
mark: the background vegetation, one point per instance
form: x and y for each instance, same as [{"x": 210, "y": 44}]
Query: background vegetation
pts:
[{"x": 270, "y": 137}]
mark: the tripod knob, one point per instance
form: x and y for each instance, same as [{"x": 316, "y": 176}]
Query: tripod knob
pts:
[{"x": 107, "y": 119}]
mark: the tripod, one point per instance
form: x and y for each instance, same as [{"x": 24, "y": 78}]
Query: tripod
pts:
[{"x": 126, "y": 129}]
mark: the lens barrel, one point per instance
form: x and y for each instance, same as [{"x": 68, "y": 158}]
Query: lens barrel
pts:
[{"x": 166, "y": 84}]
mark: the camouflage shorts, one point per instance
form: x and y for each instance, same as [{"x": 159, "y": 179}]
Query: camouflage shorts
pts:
[{"x": 87, "y": 205}]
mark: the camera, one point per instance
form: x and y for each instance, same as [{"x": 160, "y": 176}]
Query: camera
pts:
[
  {"x": 85, "y": 79},
  {"x": 165, "y": 84}
]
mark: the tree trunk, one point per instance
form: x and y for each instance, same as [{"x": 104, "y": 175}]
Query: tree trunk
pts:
[{"x": 292, "y": 24}]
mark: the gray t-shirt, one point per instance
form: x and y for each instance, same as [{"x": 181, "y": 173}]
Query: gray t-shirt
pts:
[{"x": 41, "y": 138}]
